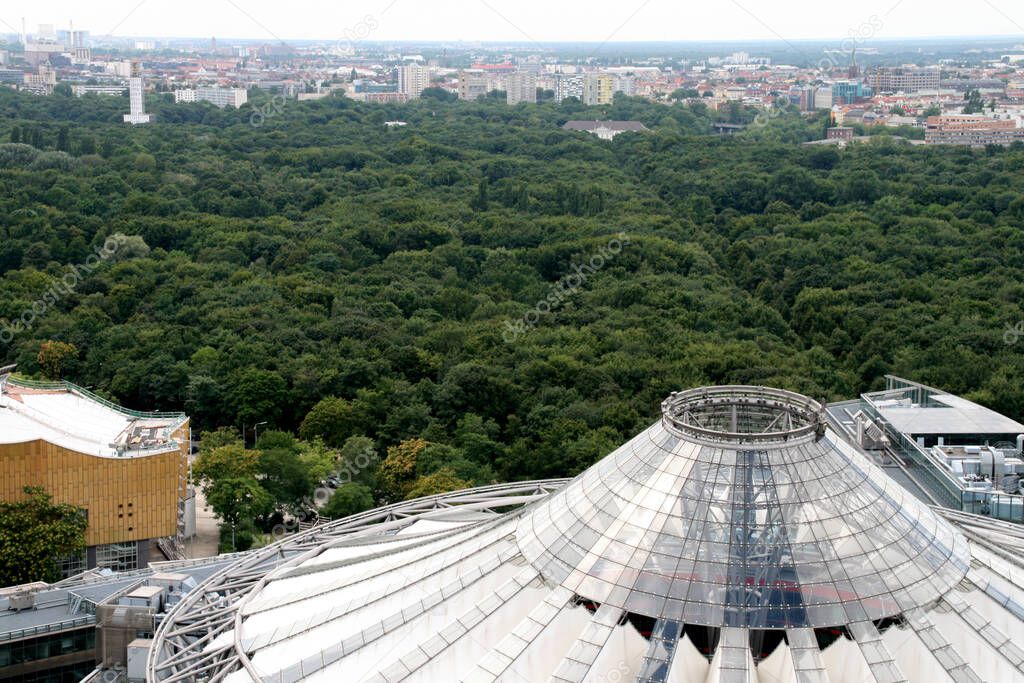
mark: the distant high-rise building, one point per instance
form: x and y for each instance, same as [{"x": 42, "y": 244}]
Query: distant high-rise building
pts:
[
  {"x": 413, "y": 79},
  {"x": 531, "y": 64},
  {"x": 805, "y": 98},
  {"x": 136, "y": 98},
  {"x": 521, "y": 87},
  {"x": 823, "y": 98},
  {"x": 568, "y": 85},
  {"x": 475, "y": 83},
  {"x": 904, "y": 79},
  {"x": 42, "y": 82},
  {"x": 598, "y": 89}
]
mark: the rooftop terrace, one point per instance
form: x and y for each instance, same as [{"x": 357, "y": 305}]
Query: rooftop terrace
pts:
[{"x": 74, "y": 418}]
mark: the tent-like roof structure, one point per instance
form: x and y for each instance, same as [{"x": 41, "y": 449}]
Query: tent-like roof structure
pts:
[{"x": 739, "y": 538}]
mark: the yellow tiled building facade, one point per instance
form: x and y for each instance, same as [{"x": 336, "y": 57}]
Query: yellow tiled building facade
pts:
[{"x": 126, "y": 499}]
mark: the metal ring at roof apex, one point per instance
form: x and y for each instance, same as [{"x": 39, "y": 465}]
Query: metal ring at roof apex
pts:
[{"x": 743, "y": 415}]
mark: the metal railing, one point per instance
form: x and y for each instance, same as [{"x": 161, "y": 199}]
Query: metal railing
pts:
[
  {"x": 64, "y": 385},
  {"x": 55, "y": 627},
  {"x": 941, "y": 483}
]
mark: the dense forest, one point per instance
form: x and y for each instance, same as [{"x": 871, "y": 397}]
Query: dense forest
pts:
[{"x": 480, "y": 278}]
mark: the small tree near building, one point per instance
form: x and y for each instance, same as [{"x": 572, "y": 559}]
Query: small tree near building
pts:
[{"x": 35, "y": 533}]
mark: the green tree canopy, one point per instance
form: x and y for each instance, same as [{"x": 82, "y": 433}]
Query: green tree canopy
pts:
[
  {"x": 349, "y": 499},
  {"x": 35, "y": 533}
]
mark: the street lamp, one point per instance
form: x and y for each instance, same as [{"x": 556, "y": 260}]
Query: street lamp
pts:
[{"x": 256, "y": 433}]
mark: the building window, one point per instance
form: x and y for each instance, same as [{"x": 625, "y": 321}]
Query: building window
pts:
[
  {"x": 70, "y": 566},
  {"x": 45, "y": 647},
  {"x": 120, "y": 557}
]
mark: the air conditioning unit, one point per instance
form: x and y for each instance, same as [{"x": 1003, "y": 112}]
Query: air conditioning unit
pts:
[{"x": 22, "y": 601}]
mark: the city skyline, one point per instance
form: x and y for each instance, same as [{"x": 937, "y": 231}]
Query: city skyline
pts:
[{"x": 529, "y": 21}]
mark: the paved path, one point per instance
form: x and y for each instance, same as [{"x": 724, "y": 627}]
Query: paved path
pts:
[{"x": 207, "y": 538}]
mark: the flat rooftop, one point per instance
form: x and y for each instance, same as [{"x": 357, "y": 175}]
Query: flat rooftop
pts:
[
  {"x": 943, "y": 414},
  {"x": 56, "y": 604},
  {"x": 71, "y": 417}
]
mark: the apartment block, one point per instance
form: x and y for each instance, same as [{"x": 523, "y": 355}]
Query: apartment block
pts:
[
  {"x": 521, "y": 87},
  {"x": 971, "y": 131},
  {"x": 413, "y": 80},
  {"x": 219, "y": 97},
  {"x": 904, "y": 79}
]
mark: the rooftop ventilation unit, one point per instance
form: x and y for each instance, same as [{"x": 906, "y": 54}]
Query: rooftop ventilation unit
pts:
[{"x": 25, "y": 600}]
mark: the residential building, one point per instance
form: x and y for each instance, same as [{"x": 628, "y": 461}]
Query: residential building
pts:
[
  {"x": 973, "y": 131},
  {"x": 742, "y": 536},
  {"x": 598, "y": 89},
  {"x": 531, "y": 64},
  {"x": 476, "y": 83},
  {"x": 219, "y": 97},
  {"x": 823, "y": 98},
  {"x": 568, "y": 85},
  {"x": 127, "y": 471},
  {"x": 42, "y": 82},
  {"x": 413, "y": 80},
  {"x": 363, "y": 85},
  {"x": 804, "y": 98},
  {"x": 889, "y": 79},
  {"x": 521, "y": 87}
]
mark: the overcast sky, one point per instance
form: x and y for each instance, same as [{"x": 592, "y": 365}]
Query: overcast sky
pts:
[{"x": 523, "y": 20}]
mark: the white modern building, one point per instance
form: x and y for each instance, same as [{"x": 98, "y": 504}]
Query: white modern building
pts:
[
  {"x": 569, "y": 85},
  {"x": 79, "y": 90},
  {"x": 220, "y": 97},
  {"x": 137, "y": 99},
  {"x": 606, "y": 130},
  {"x": 739, "y": 538}
]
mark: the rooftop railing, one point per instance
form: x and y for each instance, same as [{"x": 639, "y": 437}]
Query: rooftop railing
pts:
[
  {"x": 64, "y": 385},
  {"x": 127, "y": 449},
  {"x": 42, "y": 629},
  {"x": 940, "y": 482}
]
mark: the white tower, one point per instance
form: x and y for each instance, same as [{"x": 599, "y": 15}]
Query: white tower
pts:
[{"x": 136, "y": 97}]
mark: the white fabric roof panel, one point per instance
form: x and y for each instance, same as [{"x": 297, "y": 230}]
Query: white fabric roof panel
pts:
[{"x": 657, "y": 565}]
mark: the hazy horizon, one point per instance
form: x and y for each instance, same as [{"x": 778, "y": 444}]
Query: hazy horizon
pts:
[{"x": 529, "y": 21}]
